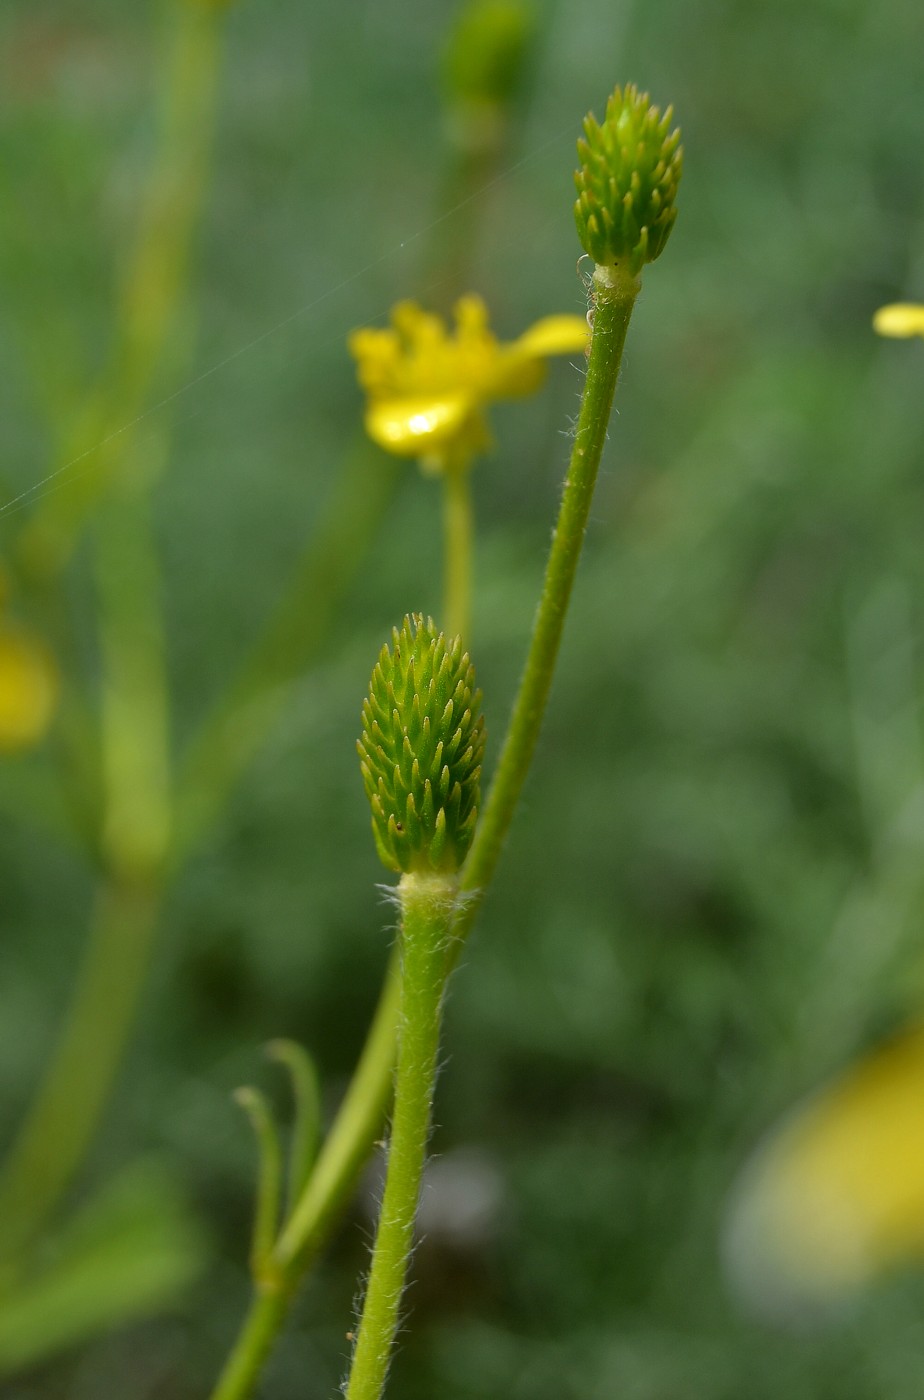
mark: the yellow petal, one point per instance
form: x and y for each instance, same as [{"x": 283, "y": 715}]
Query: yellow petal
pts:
[
  {"x": 837, "y": 1194},
  {"x": 471, "y": 316},
  {"x": 554, "y": 335},
  {"x": 418, "y": 427},
  {"x": 900, "y": 319},
  {"x": 28, "y": 691},
  {"x": 512, "y": 374},
  {"x": 519, "y": 368}
]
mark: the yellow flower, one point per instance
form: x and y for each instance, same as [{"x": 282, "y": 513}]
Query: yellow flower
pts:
[
  {"x": 28, "y": 687},
  {"x": 427, "y": 387},
  {"x": 902, "y": 319},
  {"x": 836, "y": 1195}
]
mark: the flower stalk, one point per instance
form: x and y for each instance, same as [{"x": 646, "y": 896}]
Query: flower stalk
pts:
[
  {"x": 615, "y": 292},
  {"x": 457, "y": 535},
  {"x": 429, "y": 943},
  {"x": 427, "y": 904}
]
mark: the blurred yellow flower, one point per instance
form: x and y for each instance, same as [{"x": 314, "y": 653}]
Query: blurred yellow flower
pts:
[
  {"x": 836, "y": 1195},
  {"x": 427, "y": 387},
  {"x": 902, "y": 319},
  {"x": 28, "y": 689}
]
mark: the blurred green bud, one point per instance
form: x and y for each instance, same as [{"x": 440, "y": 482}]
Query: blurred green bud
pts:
[
  {"x": 484, "y": 58},
  {"x": 627, "y": 183},
  {"x": 421, "y": 749}
]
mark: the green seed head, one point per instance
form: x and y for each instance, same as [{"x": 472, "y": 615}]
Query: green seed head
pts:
[
  {"x": 421, "y": 749},
  {"x": 627, "y": 183}
]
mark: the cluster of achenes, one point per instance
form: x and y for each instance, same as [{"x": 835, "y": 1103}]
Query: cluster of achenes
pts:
[
  {"x": 630, "y": 169},
  {"x": 421, "y": 749}
]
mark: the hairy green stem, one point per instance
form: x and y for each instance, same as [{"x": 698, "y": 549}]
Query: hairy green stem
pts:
[
  {"x": 614, "y": 297},
  {"x": 427, "y": 904},
  {"x": 54, "y": 1138}
]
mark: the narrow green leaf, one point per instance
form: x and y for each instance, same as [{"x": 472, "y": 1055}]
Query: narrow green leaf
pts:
[
  {"x": 269, "y": 1174},
  {"x": 306, "y": 1126}
]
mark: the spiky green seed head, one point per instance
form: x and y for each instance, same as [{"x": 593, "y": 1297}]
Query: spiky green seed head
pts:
[
  {"x": 421, "y": 749},
  {"x": 627, "y": 184}
]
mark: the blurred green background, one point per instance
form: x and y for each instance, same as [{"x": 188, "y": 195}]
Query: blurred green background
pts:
[{"x": 713, "y": 896}]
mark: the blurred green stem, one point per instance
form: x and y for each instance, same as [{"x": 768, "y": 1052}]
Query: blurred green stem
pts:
[
  {"x": 262, "y": 1325},
  {"x": 134, "y": 740},
  {"x": 54, "y": 1138},
  {"x": 136, "y": 824},
  {"x": 150, "y": 296},
  {"x": 457, "y": 533}
]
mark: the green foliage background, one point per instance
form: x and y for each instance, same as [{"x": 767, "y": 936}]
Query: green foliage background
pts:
[{"x": 713, "y": 895}]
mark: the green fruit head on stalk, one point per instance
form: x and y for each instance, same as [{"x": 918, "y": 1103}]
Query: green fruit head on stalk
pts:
[
  {"x": 630, "y": 169},
  {"x": 421, "y": 749}
]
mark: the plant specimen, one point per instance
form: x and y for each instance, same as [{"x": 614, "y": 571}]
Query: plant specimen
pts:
[{"x": 422, "y": 739}]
